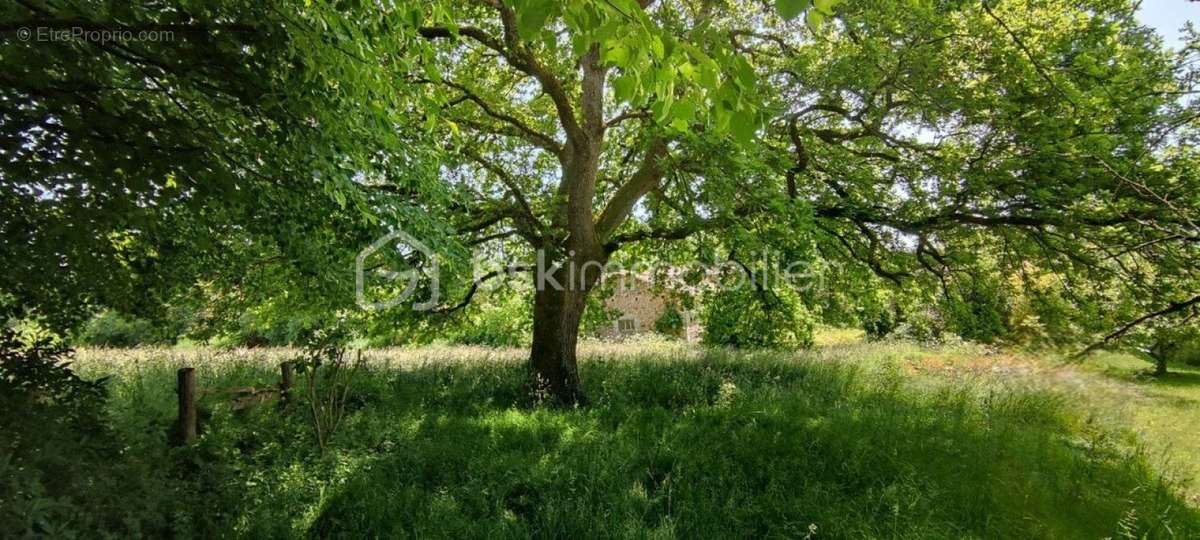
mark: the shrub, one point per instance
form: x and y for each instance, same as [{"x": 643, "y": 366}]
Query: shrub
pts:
[
  {"x": 1190, "y": 353},
  {"x": 36, "y": 382},
  {"x": 670, "y": 323},
  {"x": 111, "y": 329},
  {"x": 504, "y": 321},
  {"x": 597, "y": 317},
  {"x": 978, "y": 309},
  {"x": 329, "y": 379},
  {"x": 882, "y": 323},
  {"x": 921, "y": 325},
  {"x": 744, "y": 318},
  {"x": 64, "y": 472},
  {"x": 907, "y": 317},
  {"x": 1187, "y": 347}
]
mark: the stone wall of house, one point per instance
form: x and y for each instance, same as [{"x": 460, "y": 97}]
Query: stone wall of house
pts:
[{"x": 635, "y": 298}]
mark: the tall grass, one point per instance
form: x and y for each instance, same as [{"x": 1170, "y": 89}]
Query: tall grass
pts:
[{"x": 678, "y": 442}]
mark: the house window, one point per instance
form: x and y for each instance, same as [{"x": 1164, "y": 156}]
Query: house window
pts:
[{"x": 626, "y": 324}]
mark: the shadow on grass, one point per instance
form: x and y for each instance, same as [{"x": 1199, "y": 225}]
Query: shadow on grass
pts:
[
  {"x": 1139, "y": 368},
  {"x": 730, "y": 446},
  {"x": 1178, "y": 378},
  {"x": 1179, "y": 387}
]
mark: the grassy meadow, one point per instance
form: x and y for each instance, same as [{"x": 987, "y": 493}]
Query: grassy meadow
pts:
[{"x": 851, "y": 439}]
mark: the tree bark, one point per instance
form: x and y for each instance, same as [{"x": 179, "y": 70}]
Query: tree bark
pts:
[
  {"x": 1159, "y": 351},
  {"x": 554, "y": 373},
  {"x": 559, "y": 301},
  {"x": 558, "y": 306}
]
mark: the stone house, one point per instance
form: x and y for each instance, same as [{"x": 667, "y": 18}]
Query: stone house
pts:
[{"x": 639, "y": 303}]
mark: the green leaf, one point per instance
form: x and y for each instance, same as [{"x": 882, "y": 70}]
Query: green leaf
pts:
[
  {"x": 686, "y": 70},
  {"x": 662, "y": 108},
  {"x": 657, "y": 48},
  {"x": 743, "y": 127},
  {"x": 790, "y": 9},
  {"x": 814, "y": 19},
  {"x": 826, "y": 6},
  {"x": 533, "y": 14},
  {"x": 745, "y": 76},
  {"x": 624, "y": 87},
  {"x": 617, "y": 56},
  {"x": 683, "y": 110}
]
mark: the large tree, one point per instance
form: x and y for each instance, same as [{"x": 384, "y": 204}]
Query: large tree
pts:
[{"x": 908, "y": 137}]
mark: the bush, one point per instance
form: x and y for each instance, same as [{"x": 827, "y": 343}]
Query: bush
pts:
[
  {"x": 670, "y": 323},
  {"x": 64, "y": 472},
  {"x": 978, "y": 309},
  {"x": 743, "y": 318},
  {"x": 1190, "y": 354},
  {"x": 505, "y": 321},
  {"x": 111, "y": 329},
  {"x": 37, "y": 383},
  {"x": 882, "y": 323},
  {"x": 922, "y": 326},
  {"x": 904, "y": 317}
]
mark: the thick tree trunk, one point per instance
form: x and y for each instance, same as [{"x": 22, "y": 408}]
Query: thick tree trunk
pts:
[
  {"x": 553, "y": 372},
  {"x": 1159, "y": 351},
  {"x": 561, "y": 290},
  {"x": 560, "y": 297},
  {"x": 1160, "y": 365}
]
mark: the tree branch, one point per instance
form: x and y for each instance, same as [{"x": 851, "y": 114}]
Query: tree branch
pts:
[
  {"x": 522, "y": 129},
  {"x": 519, "y": 57},
  {"x": 646, "y": 178},
  {"x": 627, "y": 115},
  {"x": 533, "y": 224},
  {"x": 475, "y": 287},
  {"x": 1125, "y": 328},
  {"x": 679, "y": 232}
]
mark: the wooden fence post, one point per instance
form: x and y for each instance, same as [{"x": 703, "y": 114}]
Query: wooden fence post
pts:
[
  {"x": 185, "y": 386},
  {"x": 288, "y": 380}
]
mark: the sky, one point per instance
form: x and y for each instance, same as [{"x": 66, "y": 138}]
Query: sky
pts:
[{"x": 1167, "y": 16}]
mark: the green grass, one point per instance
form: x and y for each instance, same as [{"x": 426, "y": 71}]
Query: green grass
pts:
[
  {"x": 1163, "y": 412},
  {"x": 851, "y": 440}
]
